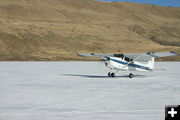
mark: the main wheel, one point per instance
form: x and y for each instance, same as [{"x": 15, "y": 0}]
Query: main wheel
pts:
[
  {"x": 109, "y": 74},
  {"x": 112, "y": 74},
  {"x": 131, "y": 75}
]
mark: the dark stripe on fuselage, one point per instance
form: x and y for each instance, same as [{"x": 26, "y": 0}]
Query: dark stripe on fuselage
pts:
[{"x": 132, "y": 65}]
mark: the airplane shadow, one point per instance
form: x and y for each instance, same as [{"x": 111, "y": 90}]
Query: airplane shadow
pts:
[{"x": 98, "y": 76}]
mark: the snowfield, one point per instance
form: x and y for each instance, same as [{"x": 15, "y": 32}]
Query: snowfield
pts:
[{"x": 82, "y": 91}]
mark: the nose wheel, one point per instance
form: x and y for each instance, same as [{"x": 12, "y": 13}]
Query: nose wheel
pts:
[{"x": 111, "y": 74}]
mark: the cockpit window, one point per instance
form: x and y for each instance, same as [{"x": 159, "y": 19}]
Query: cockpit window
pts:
[
  {"x": 128, "y": 59},
  {"x": 122, "y": 56}
]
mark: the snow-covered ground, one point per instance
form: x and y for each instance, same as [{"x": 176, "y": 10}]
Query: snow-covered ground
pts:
[{"x": 82, "y": 91}]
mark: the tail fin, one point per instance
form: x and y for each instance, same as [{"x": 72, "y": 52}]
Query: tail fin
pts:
[{"x": 150, "y": 63}]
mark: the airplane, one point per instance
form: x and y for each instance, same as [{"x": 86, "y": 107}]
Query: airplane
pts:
[{"x": 129, "y": 62}]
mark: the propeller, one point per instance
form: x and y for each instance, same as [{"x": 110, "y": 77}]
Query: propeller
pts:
[{"x": 106, "y": 58}]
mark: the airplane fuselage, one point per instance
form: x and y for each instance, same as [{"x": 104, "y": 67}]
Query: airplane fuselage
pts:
[{"x": 117, "y": 63}]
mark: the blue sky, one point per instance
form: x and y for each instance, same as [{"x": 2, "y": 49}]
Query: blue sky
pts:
[{"x": 174, "y": 3}]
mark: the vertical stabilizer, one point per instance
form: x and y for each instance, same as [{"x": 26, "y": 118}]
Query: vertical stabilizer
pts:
[{"x": 151, "y": 63}]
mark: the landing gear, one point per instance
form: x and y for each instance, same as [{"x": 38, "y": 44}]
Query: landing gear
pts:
[
  {"x": 111, "y": 74},
  {"x": 131, "y": 75}
]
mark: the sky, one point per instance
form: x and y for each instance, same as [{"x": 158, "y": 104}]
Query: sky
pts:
[{"x": 173, "y": 3}]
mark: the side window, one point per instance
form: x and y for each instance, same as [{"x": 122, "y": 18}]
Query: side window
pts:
[{"x": 128, "y": 59}]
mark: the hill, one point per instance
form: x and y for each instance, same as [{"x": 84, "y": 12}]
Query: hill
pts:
[{"x": 58, "y": 29}]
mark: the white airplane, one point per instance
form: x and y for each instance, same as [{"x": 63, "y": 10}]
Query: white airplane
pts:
[{"x": 129, "y": 62}]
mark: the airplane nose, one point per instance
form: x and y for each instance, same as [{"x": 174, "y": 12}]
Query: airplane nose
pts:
[{"x": 108, "y": 59}]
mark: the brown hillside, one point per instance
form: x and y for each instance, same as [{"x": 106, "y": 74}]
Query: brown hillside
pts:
[{"x": 58, "y": 29}]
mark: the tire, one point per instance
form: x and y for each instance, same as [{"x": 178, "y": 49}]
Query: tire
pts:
[
  {"x": 109, "y": 74},
  {"x": 112, "y": 74},
  {"x": 131, "y": 75}
]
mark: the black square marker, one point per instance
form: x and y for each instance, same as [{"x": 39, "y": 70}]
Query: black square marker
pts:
[{"x": 172, "y": 112}]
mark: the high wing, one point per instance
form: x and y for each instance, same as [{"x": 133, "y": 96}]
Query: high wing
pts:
[
  {"x": 95, "y": 55},
  {"x": 149, "y": 55},
  {"x": 138, "y": 56}
]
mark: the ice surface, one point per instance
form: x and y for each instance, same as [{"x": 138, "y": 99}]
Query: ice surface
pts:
[{"x": 82, "y": 91}]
